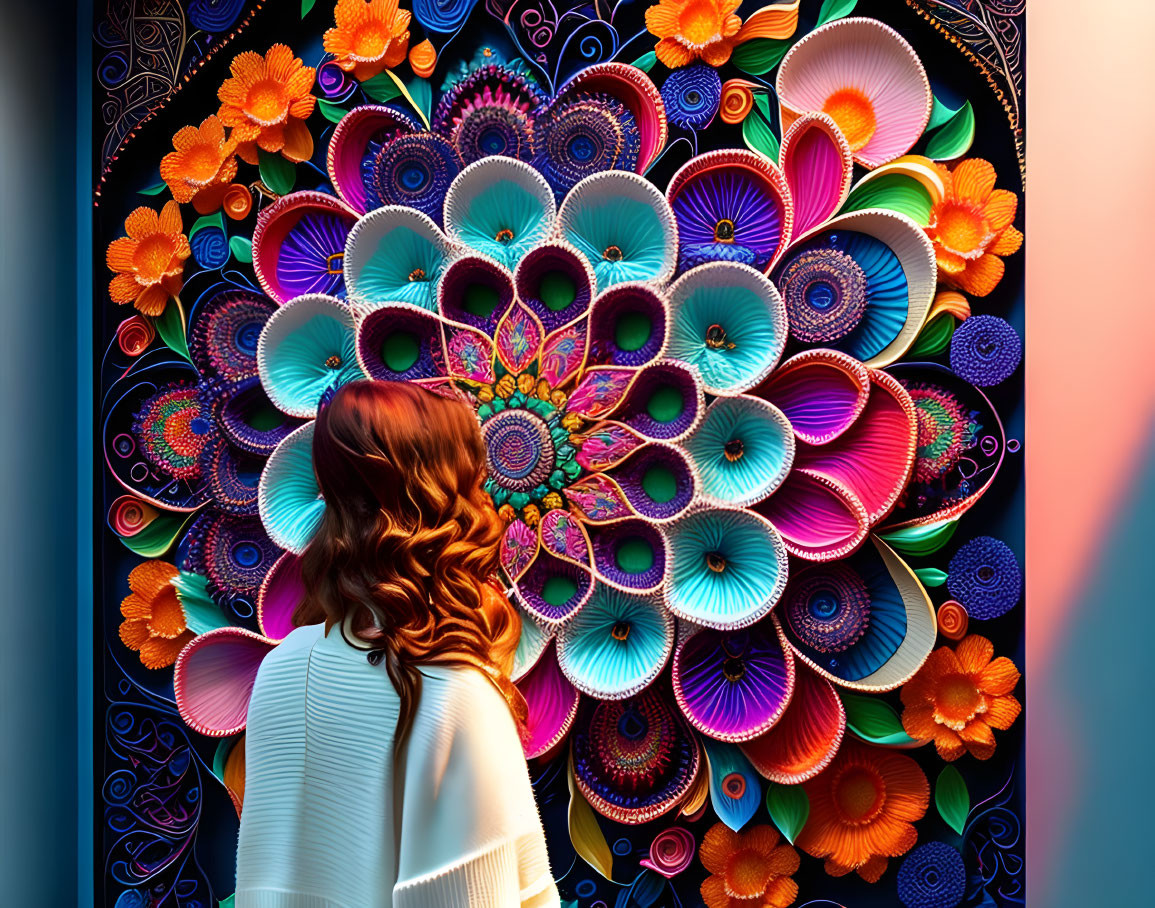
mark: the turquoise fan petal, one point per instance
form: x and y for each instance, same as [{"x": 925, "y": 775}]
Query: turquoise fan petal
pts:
[
  {"x": 729, "y": 321},
  {"x": 742, "y": 450},
  {"x": 306, "y": 348},
  {"x": 530, "y": 646},
  {"x": 623, "y": 225},
  {"x": 728, "y": 568},
  {"x": 735, "y": 788},
  {"x": 394, "y": 255},
  {"x": 500, "y": 207},
  {"x": 864, "y": 623},
  {"x": 289, "y": 499},
  {"x": 616, "y": 645}
]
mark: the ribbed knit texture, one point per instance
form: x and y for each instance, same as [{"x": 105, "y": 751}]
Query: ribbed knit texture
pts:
[{"x": 320, "y": 827}]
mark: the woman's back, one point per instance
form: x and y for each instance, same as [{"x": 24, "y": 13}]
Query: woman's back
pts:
[{"x": 329, "y": 820}]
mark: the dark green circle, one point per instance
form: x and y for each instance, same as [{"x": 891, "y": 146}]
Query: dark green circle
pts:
[
  {"x": 400, "y": 351},
  {"x": 480, "y": 300},
  {"x": 660, "y": 484},
  {"x": 558, "y": 590},
  {"x": 633, "y": 331},
  {"x": 635, "y": 555},
  {"x": 557, "y": 290},
  {"x": 666, "y": 404},
  {"x": 264, "y": 417}
]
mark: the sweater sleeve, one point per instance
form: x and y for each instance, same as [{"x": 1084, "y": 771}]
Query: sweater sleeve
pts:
[{"x": 470, "y": 834}]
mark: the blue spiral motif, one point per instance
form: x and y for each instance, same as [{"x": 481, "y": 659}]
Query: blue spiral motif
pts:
[
  {"x": 442, "y": 16},
  {"x": 214, "y": 15},
  {"x": 692, "y": 96},
  {"x": 210, "y": 247},
  {"x": 985, "y": 350},
  {"x": 932, "y": 876},
  {"x": 985, "y": 577}
]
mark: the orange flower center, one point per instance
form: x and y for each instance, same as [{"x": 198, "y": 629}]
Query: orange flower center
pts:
[
  {"x": 180, "y": 435},
  {"x": 266, "y": 102},
  {"x": 859, "y": 794},
  {"x": 747, "y": 874},
  {"x": 853, "y": 111},
  {"x": 699, "y": 23},
  {"x": 370, "y": 41},
  {"x": 202, "y": 163},
  {"x": 152, "y": 257},
  {"x": 962, "y": 229},
  {"x": 957, "y": 700},
  {"x": 167, "y": 619}
]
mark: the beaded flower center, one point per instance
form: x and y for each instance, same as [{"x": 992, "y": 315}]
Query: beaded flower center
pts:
[
  {"x": 152, "y": 257},
  {"x": 825, "y": 294},
  {"x": 962, "y": 229},
  {"x": 266, "y": 102},
  {"x": 957, "y": 701}
]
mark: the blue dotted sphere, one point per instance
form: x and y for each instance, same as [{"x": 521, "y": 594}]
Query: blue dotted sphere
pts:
[
  {"x": 932, "y": 876},
  {"x": 985, "y": 350},
  {"x": 984, "y": 575},
  {"x": 692, "y": 96}
]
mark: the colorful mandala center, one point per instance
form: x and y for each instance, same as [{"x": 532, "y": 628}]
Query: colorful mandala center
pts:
[
  {"x": 944, "y": 431},
  {"x": 520, "y": 450},
  {"x": 825, "y": 293},
  {"x": 830, "y": 611}
]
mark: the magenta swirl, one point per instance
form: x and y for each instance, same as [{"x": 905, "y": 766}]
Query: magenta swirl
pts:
[{"x": 671, "y": 852}]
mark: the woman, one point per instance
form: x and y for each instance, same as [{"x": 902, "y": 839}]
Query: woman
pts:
[{"x": 384, "y": 766}]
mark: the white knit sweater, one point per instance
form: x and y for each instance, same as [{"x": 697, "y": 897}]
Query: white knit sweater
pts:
[{"x": 330, "y": 822}]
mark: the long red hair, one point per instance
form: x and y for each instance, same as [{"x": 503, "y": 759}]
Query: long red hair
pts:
[{"x": 408, "y": 546}]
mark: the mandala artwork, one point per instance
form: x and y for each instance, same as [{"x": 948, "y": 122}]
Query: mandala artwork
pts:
[{"x": 705, "y": 272}]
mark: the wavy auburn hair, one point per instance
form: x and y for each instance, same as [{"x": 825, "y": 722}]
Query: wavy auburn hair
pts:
[{"x": 408, "y": 547}]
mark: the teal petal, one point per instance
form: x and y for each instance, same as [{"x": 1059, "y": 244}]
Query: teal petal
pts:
[
  {"x": 623, "y": 225},
  {"x": 735, "y": 788},
  {"x": 394, "y": 255},
  {"x": 730, "y": 322},
  {"x": 616, "y": 645},
  {"x": 494, "y": 195},
  {"x": 530, "y": 645},
  {"x": 742, "y": 450},
  {"x": 289, "y": 499},
  {"x": 729, "y": 568},
  {"x": 307, "y": 347}
]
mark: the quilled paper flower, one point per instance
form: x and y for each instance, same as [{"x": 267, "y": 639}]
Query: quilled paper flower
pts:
[
  {"x": 694, "y": 29},
  {"x": 959, "y": 696},
  {"x": 154, "y": 621},
  {"x": 202, "y": 165},
  {"x": 862, "y": 810},
  {"x": 748, "y": 869},
  {"x": 972, "y": 227},
  {"x": 266, "y": 102},
  {"x": 369, "y": 36},
  {"x": 149, "y": 262},
  {"x": 423, "y": 59}
]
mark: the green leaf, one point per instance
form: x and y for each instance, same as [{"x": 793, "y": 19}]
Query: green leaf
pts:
[
  {"x": 646, "y": 61},
  {"x": 155, "y": 189},
  {"x": 306, "y": 5},
  {"x": 952, "y": 799},
  {"x": 158, "y": 537},
  {"x": 834, "y": 9},
  {"x": 201, "y": 612},
  {"x": 934, "y": 337},
  {"x": 330, "y": 111},
  {"x": 170, "y": 326},
  {"x": 931, "y": 576},
  {"x": 757, "y": 132},
  {"x": 242, "y": 248},
  {"x": 381, "y": 88},
  {"x": 894, "y": 192},
  {"x": 278, "y": 173},
  {"x": 874, "y": 720},
  {"x": 921, "y": 541},
  {"x": 760, "y": 55},
  {"x": 229, "y": 902},
  {"x": 939, "y": 114},
  {"x": 953, "y": 139},
  {"x": 789, "y": 808},
  {"x": 221, "y": 757},
  {"x": 421, "y": 95},
  {"x": 209, "y": 220}
]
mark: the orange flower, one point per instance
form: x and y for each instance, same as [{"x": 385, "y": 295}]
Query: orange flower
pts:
[
  {"x": 861, "y": 810},
  {"x": 201, "y": 168},
  {"x": 958, "y": 696},
  {"x": 690, "y": 29},
  {"x": 750, "y": 869},
  {"x": 267, "y": 101},
  {"x": 371, "y": 36},
  {"x": 423, "y": 59},
  {"x": 150, "y": 260},
  {"x": 971, "y": 227},
  {"x": 154, "y": 622}
]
